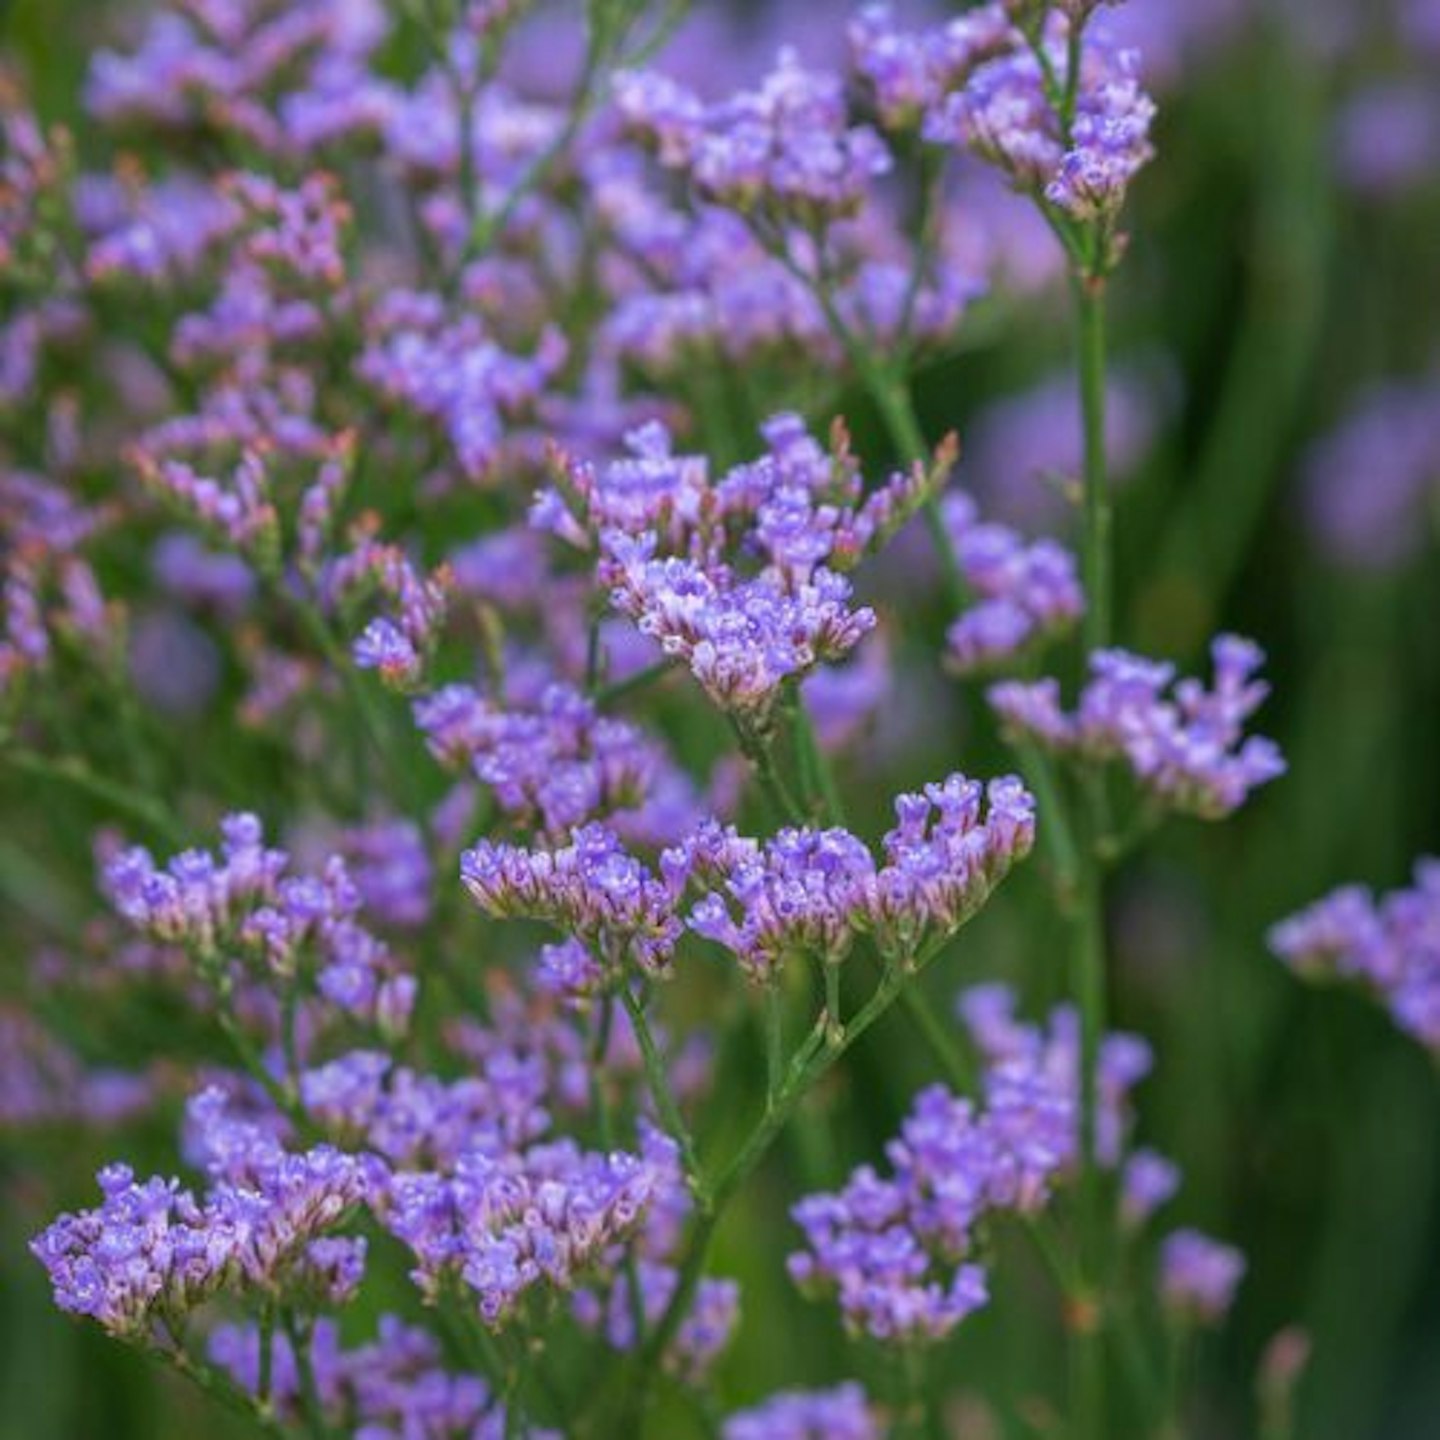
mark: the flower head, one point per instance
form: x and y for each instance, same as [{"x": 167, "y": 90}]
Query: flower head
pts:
[{"x": 1186, "y": 748}]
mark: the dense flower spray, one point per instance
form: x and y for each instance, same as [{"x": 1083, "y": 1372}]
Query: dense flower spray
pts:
[{"x": 510, "y": 450}]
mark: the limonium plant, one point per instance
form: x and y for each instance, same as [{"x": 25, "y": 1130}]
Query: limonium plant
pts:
[{"x": 500, "y": 424}]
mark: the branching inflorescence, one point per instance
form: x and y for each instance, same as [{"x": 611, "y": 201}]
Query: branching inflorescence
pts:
[{"x": 380, "y": 442}]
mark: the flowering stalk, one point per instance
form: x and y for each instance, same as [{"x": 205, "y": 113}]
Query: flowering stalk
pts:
[
  {"x": 215, "y": 1386},
  {"x": 812, "y": 1060},
  {"x": 1088, "y": 245}
]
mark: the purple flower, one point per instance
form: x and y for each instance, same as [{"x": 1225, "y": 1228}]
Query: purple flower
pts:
[
  {"x": 394, "y": 1385},
  {"x": 1148, "y": 1181},
  {"x": 454, "y": 374},
  {"x": 1390, "y": 947},
  {"x": 555, "y": 764},
  {"x": 1388, "y": 138},
  {"x": 1186, "y": 748},
  {"x": 152, "y": 1248},
  {"x": 609, "y": 1306},
  {"x": 44, "y": 1083},
  {"x": 504, "y": 1224},
  {"x": 1032, "y": 1083},
  {"x": 383, "y": 646},
  {"x": 413, "y": 1119},
  {"x": 1109, "y": 137},
  {"x": 1026, "y": 593},
  {"x": 909, "y": 73},
  {"x": 786, "y": 147},
  {"x": 838, "y": 1414},
  {"x": 392, "y": 871},
  {"x": 810, "y": 893},
  {"x": 1006, "y": 111},
  {"x": 742, "y": 639},
  {"x": 284, "y": 82},
  {"x": 1199, "y": 1276},
  {"x": 241, "y": 916},
  {"x": 157, "y": 232},
  {"x": 898, "y": 1252},
  {"x": 569, "y": 971},
  {"x": 398, "y": 645},
  {"x": 592, "y": 888},
  {"x": 190, "y": 572}
]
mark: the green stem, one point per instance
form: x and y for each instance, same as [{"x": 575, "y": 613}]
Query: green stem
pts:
[
  {"x": 664, "y": 1097},
  {"x": 605, "y": 1120},
  {"x": 266, "y": 1342},
  {"x": 1089, "y": 294},
  {"x": 812, "y": 1060},
  {"x": 219, "y": 1388},
  {"x": 593, "y": 655},
  {"x": 816, "y": 766},
  {"x": 760, "y": 755},
  {"x": 372, "y": 725},
  {"x": 310, "y": 1402},
  {"x": 774, "y": 1040},
  {"x": 280, "y": 1095},
  {"x": 1087, "y": 1323},
  {"x": 1054, "y": 826},
  {"x": 1087, "y": 1320},
  {"x": 889, "y": 392}
]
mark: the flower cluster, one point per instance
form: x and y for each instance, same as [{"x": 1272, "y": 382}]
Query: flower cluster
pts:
[
  {"x": 897, "y": 1252},
  {"x": 284, "y": 77},
  {"x": 1186, "y": 748},
  {"x": 503, "y": 1224},
  {"x": 239, "y": 913},
  {"x": 644, "y": 1285},
  {"x": 43, "y": 1082},
  {"x": 249, "y": 511},
  {"x": 454, "y": 375},
  {"x": 154, "y": 1250},
  {"x": 396, "y": 1385},
  {"x": 591, "y": 888},
  {"x": 1391, "y": 947},
  {"x": 908, "y": 74},
  {"x": 398, "y": 645},
  {"x": 839, "y": 1414},
  {"x": 812, "y": 892},
  {"x": 673, "y": 542},
  {"x": 51, "y": 602},
  {"x": 1026, "y": 594},
  {"x": 742, "y": 639},
  {"x": 1075, "y": 140},
  {"x": 391, "y": 867},
  {"x": 412, "y": 1119},
  {"x": 786, "y": 148},
  {"x": 435, "y": 344},
  {"x": 555, "y": 765}
]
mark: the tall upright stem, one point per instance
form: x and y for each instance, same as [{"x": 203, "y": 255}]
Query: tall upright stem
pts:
[
  {"x": 1089, "y": 293},
  {"x": 1087, "y": 1322}
]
